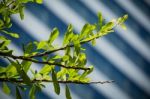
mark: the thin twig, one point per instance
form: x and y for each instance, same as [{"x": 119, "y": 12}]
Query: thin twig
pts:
[
  {"x": 50, "y": 81},
  {"x": 43, "y": 62}
]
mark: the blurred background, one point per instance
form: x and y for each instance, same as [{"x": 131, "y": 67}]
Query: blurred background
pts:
[{"x": 123, "y": 56}]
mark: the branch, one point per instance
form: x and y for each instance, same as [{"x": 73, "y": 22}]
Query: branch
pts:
[
  {"x": 42, "y": 62},
  {"x": 50, "y": 81},
  {"x": 62, "y": 48},
  {"x": 29, "y": 58}
]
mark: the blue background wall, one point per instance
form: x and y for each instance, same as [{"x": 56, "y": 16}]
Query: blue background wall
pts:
[{"x": 123, "y": 56}]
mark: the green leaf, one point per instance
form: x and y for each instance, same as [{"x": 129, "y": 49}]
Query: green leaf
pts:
[
  {"x": 11, "y": 71},
  {"x": 24, "y": 1},
  {"x": 77, "y": 47},
  {"x": 2, "y": 69},
  {"x": 28, "y": 48},
  {"x": 121, "y": 20},
  {"x": 55, "y": 82},
  {"x": 43, "y": 45},
  {"x": 62, "y": 73},
  {"x": 56, "y": 57},
  {"x": 6, "y": 89},
  {"x": 26, "y": 65},
  {"x": 39, "y": 1},
  {"x": 86, "y": 72},
  {"x": 15, "y": 35},
  {"x": 68, "y": 35},
  {"x": 65, "y": 58},
  {"x": 67, "y": 51},
  {"x": 6, "y": 52},
  {"x": 107, "y": 27},
  {"x": 18, "y": 95},
  {"x": 1, "y": 23},
  {"x": 68, "y": 96},
  {"x": 32, "y": 92},
  {"x": 53, "y": 36},
  {"x": 21, "y": 12},
  {"x": 25, "y": 77},
  {"x": 4, "y": 44},
  {"x": 100, "y": 20},
  {"x": 94, "y": 42},
  {"x": 82, "y": 59},
  {"x": 86, "y": 30},
  {"x": 46, "y": 69},
  {"x": 123, "y": 26},
  {"x": 3, "y": 38},
  {"x": 23, "y": 74}
]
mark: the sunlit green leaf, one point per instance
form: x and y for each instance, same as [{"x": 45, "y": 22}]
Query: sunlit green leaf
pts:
[
  {"x": 65, "y": 58},
  {"x": 6, "y": 89},
  {"x": 87, "y": 72},
  {"x": 94, "y": 42},
  {"x": 68, "y": 34},
  {"x": 100, "y": 20},
  {"x": 82, "y": 58},
  {"x": 46, "y": 69},
  {"x": 53, "y": 36},
  {"x": 4, "y": 44},
  {"x": 87, "y": 30},
  {"x": 11, "y": 71},
  {"x": 39, "y": 1},
  {"x": 123, "y": 26},
  {"x": 3, "y": 38},
  {"x": 21, "y": 12},
  {"x": 77, "y": 47},
  {"x": 61, "y": 73},
  {"x": 121, "y": 20},
  {"x": 107, "y": 27},
  {"x": 56, "y": 57},
  {"x": 15, "y": 35},
  {"x": 43, "y": 45}
]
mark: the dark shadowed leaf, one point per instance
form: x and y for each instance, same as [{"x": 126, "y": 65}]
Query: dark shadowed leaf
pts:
[
  {"x": 18, "y": 95},
  {"x": 32, "y": 92},
  {"x": 68, "y": 96},
  {"x": 55, "y": 83}
]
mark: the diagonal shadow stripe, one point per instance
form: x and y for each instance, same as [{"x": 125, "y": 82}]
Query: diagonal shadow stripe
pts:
[
  {"x": 47, "y": 12},
  {"x": 140, "y": 29},
  {"x": 115, "y": 39}
]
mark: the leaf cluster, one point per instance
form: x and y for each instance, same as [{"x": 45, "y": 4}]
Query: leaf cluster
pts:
[{"x": 57, "y": 68}]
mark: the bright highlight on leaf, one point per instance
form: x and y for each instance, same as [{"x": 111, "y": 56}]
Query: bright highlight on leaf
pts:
[{"x": 39, "y": 1}]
